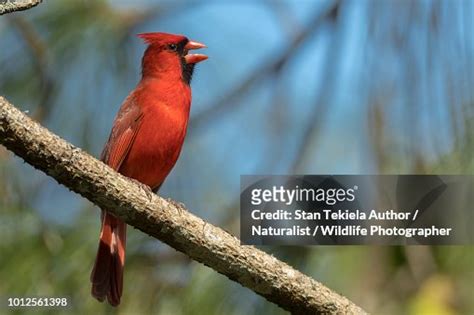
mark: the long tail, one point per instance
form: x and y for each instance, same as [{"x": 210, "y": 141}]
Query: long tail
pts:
[{"x": 107, "y": 274}]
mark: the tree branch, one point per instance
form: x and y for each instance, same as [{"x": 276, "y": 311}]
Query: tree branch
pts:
[
  {"x": 8, "y": 6},
  {"x": 166, "y": 220}
]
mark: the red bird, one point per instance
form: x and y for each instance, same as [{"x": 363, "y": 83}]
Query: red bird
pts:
[{"x": 145, "y": 142}]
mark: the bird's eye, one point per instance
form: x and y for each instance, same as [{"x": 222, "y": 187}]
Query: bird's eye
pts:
[{"x": 172, "y": 47}]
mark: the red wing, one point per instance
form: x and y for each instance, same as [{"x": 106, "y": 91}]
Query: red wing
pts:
[{"x": 123, "y": 133}]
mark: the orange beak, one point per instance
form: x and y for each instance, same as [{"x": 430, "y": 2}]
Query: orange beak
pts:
[{"x": 194, "y": 58}]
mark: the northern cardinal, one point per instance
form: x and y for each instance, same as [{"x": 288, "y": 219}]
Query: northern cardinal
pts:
[{"x": 145, "y": 142}]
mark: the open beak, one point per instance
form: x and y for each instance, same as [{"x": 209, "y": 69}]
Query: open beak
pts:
[{"x": 194, "y": 58}]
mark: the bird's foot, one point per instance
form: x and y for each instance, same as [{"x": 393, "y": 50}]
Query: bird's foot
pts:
[
  {"x": 144, "y": 187},
  {"x": 179, "y": 205}
]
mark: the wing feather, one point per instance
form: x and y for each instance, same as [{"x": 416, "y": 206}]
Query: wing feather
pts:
[{"x": 123, "y": 133}]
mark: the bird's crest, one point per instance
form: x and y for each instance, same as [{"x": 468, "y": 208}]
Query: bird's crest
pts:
[{"x": 161, "y": 38}]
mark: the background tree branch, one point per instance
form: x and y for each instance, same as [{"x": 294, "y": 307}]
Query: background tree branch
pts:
[
  {"x": 226, "y": 103},
  {"x": 8, "y": 6},
  {"x": 166, "y": 220}
]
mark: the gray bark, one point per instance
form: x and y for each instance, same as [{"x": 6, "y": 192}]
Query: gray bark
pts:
[{"x": 8, "y": 6}]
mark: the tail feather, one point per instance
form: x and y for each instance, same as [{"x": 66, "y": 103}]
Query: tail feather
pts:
[{"x": 107, "y": 274}]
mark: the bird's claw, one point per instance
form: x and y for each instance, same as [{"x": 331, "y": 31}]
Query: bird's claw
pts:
[
  {"x": 179, "y": 205},
  {"x": 144, "y": 187}
]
